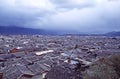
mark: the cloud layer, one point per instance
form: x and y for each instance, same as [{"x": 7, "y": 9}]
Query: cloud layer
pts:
[{"x": 92, "y": 16}]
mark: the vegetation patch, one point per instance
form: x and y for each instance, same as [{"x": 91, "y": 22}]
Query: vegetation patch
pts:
[{"x": 104, "y": 68}]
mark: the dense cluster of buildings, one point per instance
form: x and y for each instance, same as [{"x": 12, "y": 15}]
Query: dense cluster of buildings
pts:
[{"x": 36, "y": 56}]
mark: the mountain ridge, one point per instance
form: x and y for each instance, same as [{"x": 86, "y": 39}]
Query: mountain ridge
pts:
[
  {"x": 30, "y": 31},
  {"x": 21, "y": 30}
]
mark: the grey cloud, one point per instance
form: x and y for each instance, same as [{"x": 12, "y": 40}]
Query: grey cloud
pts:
[
  {"x": 16, "y": 18},
  {"x": 17, "y": 15},
  {"x": 87, "y": 16},
  {"x": 70, "y": 4},
  {"x": 102, "y": 18}
]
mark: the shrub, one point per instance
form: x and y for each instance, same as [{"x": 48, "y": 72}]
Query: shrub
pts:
[
  {"x": 105, "y": 68},
  {"x": 116, "y": 63}
]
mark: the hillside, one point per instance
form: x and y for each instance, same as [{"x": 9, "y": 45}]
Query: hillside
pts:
[{"x": 21, "y": 30}]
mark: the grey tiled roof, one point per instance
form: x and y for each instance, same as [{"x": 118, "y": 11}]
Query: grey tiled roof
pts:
[
  {"x": 35, "y": 68},
  {"x": 15, "y": 71}
]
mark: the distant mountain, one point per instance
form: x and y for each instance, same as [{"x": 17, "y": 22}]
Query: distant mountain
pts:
[
  {"x": 106, "y": 34},
  {"x": 22, "y": 30},
  {"x": 29, "y": 31},
  {"x": 114, "y": 33}
]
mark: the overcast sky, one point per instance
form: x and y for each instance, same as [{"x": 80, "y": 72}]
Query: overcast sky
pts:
[{"x": 93, "y": 16}]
